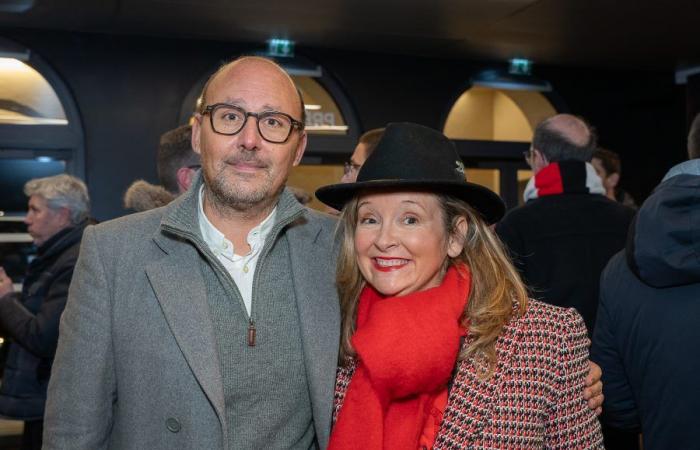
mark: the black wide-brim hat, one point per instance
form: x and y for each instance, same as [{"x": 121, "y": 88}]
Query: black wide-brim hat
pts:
[{"x": 413, "y": 156}]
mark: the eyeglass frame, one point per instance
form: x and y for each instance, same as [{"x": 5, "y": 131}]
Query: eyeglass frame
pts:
[
  {"x": 207, "y": 110},
  {"x": 349, "y": 166}
]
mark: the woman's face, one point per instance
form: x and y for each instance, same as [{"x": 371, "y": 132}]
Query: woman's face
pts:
[{"x": 400, "y": 241}]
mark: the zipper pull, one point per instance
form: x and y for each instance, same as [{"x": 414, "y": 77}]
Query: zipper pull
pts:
[{"x": 251, "y": 333}]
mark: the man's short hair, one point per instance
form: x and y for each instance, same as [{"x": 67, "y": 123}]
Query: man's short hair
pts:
[
  {"x": 202, "y": 99},
  {"x": 694, "y": 139},
  {"x": 609, "y": 160},
  {"x": 371, "y": 138},
  {"x": 62, "y": 191},
  {"x": 557, "y": 147},
  {"x": 175, "y": 151}
]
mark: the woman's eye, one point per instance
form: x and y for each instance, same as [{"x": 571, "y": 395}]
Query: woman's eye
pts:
[
  {"x": 410, "y": 220},
  {"x": 367, "y": 220}
]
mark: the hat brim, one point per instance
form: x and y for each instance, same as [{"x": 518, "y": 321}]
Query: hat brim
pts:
[{"x": 483, "y": 200}]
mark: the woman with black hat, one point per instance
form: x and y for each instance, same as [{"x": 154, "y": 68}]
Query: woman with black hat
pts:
[{"x": 440, "y": 345}]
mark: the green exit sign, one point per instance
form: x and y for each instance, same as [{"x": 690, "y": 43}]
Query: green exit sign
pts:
[
  {"x": 520, "y": 66},
  {"x": 280, "y": 47}
]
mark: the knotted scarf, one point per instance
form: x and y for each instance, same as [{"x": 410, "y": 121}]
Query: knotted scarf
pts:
[
  {"x": 406, "y": 349},
  {"x": 564, "y": 177}
]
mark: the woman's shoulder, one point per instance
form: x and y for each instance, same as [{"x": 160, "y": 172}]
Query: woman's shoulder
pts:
[{"x": 545, "y": 320}]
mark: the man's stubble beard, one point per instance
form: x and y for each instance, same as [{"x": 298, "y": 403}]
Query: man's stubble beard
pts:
[{"x": 229, "y": 194}]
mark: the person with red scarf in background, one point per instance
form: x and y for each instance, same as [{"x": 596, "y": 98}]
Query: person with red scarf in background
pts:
[{"x": 440, "y": 345}]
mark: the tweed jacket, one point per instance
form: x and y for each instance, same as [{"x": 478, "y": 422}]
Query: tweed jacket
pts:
[
  {"x": 534, "y": 399},
  {"x": 137, "y": 365}
]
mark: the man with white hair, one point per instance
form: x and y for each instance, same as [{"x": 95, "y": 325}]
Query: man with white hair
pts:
[{"x": 58, "y": 213}]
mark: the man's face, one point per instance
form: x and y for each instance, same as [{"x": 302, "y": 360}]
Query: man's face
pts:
[
  {"x": 243, "y": 171},
  {"x": 358, "y": 158},
  {"x": 42, "y": 221}
]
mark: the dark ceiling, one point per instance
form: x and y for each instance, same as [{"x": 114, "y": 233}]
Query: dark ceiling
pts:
[{"x": 594, "y": 33}]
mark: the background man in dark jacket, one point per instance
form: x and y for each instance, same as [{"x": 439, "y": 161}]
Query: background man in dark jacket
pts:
[
  {"x": 646, "y": 337},
  {"x": 57, "y": 216},
  {"x": 566, "y": 232}
]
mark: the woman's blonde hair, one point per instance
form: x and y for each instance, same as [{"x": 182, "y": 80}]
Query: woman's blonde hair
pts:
[{"x": 496, "y": 284}]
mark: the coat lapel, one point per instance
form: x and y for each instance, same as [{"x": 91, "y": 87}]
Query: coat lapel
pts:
[
  {"x": 179, "y": 288},
  {"x": 313, "y": 266}
]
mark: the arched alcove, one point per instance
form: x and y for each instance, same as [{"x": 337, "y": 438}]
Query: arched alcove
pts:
[
  {"x": 485, "y": 115},
  {"x": 40, "y": 128}
]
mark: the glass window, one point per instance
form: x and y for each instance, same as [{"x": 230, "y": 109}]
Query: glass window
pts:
[{"x": 26, "y": 98}]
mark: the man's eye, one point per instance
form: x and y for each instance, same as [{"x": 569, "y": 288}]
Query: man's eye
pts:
[
  {"x": 230, "y": 117},
  {"x": 273, "y": 122}
]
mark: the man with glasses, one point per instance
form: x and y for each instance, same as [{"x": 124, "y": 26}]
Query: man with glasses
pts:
[
  {"x": 212, "y": 323},
  {"x": 365, "y": 146}
]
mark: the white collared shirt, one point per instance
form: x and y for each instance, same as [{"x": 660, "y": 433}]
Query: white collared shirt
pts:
[{"x": 240, "y": 267}]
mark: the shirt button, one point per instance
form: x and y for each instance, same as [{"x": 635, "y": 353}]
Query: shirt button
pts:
[
  {"x": 173, "y": 425},
  {"x": 225, "y": 245},
  {"x": 245, "y": 269}
]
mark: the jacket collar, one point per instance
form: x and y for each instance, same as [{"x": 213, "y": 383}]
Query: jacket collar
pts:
[
  {"x": 564, "y": 177},
  {"x": 181, "y": 216},
  {"x": 65, "y": 238}
]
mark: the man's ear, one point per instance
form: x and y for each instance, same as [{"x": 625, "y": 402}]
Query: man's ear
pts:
[
  {"x": 301, "y": 147},
  {"x": 184, "y": 178},
  {"x": 455, "y": 242},
  {"x": 64, "y": 216},
  {"x": 539, "y": 160},
  {"x": 196, "y": 130}
]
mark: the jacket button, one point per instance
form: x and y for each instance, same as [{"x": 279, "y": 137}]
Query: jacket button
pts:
[{"x": 173, "y": 425}]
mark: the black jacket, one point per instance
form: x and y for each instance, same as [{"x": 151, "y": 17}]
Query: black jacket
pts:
[
  {"x": 647, "y": 335},
  {"x": 561, "y": 243},
  {"x": 29, "y": 320}
]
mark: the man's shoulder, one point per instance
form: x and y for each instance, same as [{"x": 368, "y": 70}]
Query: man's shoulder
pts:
[
  {"x": 131, "y": 225},
  {"x": 556, "y": 204}
]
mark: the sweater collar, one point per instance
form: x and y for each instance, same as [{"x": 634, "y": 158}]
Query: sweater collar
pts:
[{"x": 564, "y": 177}]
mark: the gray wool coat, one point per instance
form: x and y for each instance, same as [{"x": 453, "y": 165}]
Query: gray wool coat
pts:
[{"x": 137, "y": 364}]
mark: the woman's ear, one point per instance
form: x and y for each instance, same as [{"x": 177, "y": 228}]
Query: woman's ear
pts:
[{"x": 455, "y": 243}]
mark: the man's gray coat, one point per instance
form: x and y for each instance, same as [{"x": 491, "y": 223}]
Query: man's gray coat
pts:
[{"x": 137, "y": 364}]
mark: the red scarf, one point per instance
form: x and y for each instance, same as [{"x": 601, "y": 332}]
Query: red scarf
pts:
[
  {"x": 564, "y": 177},
  {"x": 407, "y": 348}
]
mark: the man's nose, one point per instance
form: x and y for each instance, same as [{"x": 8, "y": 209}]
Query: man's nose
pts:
[{"x": 250, "y": 137}]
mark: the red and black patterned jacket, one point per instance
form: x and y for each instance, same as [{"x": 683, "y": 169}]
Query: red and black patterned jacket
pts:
[{"x": 534, "y": 400}]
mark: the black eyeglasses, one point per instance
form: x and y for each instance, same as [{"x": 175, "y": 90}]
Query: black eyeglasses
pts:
[
  {"x": 273, "y": 126},
  {"x": 350, "y": 166}
]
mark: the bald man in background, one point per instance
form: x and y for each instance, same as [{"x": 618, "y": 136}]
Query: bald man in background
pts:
[{"x": 567, "y": 230}]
